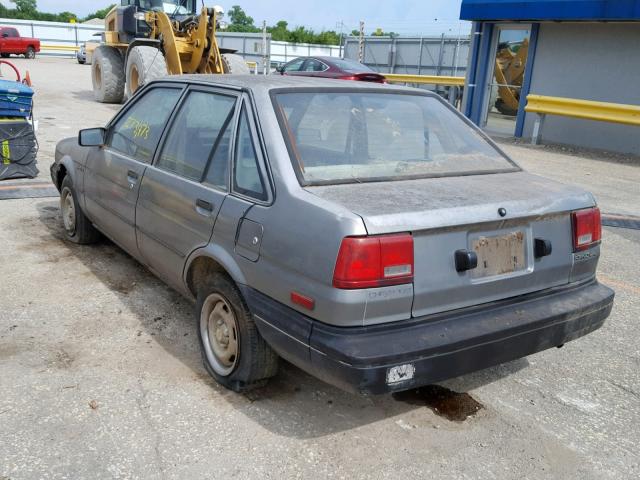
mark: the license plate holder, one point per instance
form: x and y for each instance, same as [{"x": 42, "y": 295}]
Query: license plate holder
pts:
[{"x": 499, "y": 254}]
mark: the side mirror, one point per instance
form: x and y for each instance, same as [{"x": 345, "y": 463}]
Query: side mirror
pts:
[
  {"x": 280, "y": 69},
  {"x": 92, "y": 137},
  {"x": 5, "y": 35}
]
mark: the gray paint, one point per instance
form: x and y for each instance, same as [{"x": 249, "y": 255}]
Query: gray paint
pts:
[
  {"x": 589, "y": 61},
  {"x": 301, "y": 229}
]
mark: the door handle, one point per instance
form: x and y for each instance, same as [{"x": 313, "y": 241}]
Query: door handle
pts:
[
  {"x": 132, "y": 178},
  {"x": 203, "y": 207}
]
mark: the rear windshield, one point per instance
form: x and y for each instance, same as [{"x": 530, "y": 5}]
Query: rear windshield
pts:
[
  {"x": 346, "y": 137},
  {"x": 350, "y": 66}
]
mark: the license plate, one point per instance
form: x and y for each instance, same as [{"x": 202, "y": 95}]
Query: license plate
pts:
[{"x": 499, "y": 255}]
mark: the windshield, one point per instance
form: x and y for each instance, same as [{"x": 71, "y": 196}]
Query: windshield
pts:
[
  {"x": 170, "y": 7},
  {"x": 356, "y": 137}
]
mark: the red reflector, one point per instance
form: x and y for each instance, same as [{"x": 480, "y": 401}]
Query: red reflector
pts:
[
  {"x": 303, "y": 301},
  {"x": 587, "y": 228},
  {"x": 370, "y": 262}
]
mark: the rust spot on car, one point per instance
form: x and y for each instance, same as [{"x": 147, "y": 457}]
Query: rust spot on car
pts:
[{"x": 446, "y": 403}]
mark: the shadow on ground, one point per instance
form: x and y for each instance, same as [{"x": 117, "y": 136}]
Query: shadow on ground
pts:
[{"x": 293, "y": 404}]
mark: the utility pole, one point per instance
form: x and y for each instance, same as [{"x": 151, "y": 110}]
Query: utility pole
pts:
[
  {"x": 361, "y": 43},
  {"x": 340, "y": 27},
  {"x": 265, "y": 57}
]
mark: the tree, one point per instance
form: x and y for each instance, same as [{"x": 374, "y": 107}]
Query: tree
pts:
[
  {"x": 26, "y": 6},
  {"x": 100, "y": 13},
  {"x": 240, "y": 21}
]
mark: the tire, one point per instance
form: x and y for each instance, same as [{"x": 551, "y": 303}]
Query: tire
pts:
[
  {"x": 5, "y": 55},
  {"x": 81, "y": 62},
  {"x": 144, "y": 64},
  {"x": 107, "y": 74},
  {"x": 234, "y": 64},
  {"x": 77, "y": 227},
  {"x": 30, "y": 53},
  {"x": 233, "y": 351}
]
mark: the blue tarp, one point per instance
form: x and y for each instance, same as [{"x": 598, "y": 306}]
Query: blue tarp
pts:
[
  {"x": 569, "y": 10},
  {"x": 16, "y": 99}
]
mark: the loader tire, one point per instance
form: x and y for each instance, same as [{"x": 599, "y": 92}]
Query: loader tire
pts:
[
  {"x": 234, "y": 64},
  {"x": 144, "y": 64},
  {"x": 107, "y": 74}
]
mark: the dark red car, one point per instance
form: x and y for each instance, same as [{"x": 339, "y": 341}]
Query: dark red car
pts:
[{"x": 330, "y": 67}]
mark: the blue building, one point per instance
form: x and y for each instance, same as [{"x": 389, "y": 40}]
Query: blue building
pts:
[{"x": 583, "y": 49}]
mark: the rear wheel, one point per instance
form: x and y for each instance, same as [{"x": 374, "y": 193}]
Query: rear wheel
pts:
[
  {"x": 5, "y": 55},
  {"x": 77, "y": 227},
  {"x": 233, "y": 351},
  {"x": 144, "y": 64},
  {"x": 107, "y": 74},
  {"x": 30, "y": 53},
  {"x": 234, "y": 64}
]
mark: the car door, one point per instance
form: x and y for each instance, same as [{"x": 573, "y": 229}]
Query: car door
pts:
[
  {"x": 12, "y": 41},
  {"x": 241, "y": 222},
  {"x": 294, "y": 67},
  {"x": 183, "y": 191},
  {"x": 114, "y": 172}
]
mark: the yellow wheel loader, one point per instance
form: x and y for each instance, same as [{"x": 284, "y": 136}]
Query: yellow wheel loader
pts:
[
  {"x": 509, "y": 72},
  {"x": 148, "y": 39}
]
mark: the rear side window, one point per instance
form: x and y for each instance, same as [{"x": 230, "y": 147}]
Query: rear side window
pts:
[
  {"x": 137, "y": 133},
  {"x": 196, "y": 135},
  {"x": 247, "y": 178}
]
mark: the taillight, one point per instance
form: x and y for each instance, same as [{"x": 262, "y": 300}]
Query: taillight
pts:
[
  {"x": 370, "y": 262},
  {"x": 348, "y": 77},
  {"x": 587, "y": 228}
]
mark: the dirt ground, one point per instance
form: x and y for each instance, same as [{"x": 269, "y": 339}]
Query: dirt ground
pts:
[{"x": 100, "y": 372}]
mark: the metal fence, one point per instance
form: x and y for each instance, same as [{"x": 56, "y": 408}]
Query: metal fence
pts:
[
  {"x": 441, "y": 55},
  {"x": 405, "y": 55},
  {"x": 282, "y": 52},
  {"x": 62, "y": 39}
]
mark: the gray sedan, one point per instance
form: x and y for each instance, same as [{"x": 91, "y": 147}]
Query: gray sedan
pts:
[{"x": 369, "y": 234}]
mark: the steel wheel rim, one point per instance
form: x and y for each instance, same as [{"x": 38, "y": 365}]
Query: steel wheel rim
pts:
[
  {"x": 219, "y": 332},
  {"x": 68, "y": 208}
]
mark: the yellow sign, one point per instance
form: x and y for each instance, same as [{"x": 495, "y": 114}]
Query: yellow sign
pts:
[{"x": 6, "y": 152}]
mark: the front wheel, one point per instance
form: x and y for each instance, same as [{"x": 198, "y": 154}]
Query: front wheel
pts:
[
  {"x": 234, "y": 64},
  {"x": 144, "y": 64},
  {"x": 30, "y": 53},
  {"x": 233, "y": 351}
]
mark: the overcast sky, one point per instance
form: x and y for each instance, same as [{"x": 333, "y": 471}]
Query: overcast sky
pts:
[{"x": 402, "y": 16}]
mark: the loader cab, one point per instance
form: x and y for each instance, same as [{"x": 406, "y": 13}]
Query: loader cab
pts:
[
  {"x": 131, "y": 26},
  {"x": 173, "y": 8}
]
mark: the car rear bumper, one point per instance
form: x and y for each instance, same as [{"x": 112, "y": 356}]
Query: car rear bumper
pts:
[{"x": 437, "y": 347}]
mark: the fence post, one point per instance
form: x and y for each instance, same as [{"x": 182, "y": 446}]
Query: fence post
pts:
[
  {"x": 537, "y": 129},
  {"x": 420, "y": 59},
  {"x": 441, "y": 56}
]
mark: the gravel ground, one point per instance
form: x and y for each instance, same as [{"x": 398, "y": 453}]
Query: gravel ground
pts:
[{"x": 101, "y": 376}]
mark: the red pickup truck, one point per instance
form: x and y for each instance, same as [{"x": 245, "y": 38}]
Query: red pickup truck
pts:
[{"x": 12, "y": 43}]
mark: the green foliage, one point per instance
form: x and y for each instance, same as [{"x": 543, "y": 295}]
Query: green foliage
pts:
[
  {"x": 25, "y": 6},
  {"x": 28, "y": 10},
  {"x": 239, "y": 21},
  {"x": 99, "y": 13}
]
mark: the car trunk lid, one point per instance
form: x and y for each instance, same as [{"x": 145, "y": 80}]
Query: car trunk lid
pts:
[{"x": 451, "y": 214}]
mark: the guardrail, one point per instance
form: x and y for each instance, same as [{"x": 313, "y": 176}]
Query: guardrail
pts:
[
  {"x": 425, "y": 79},
  {"x": 585, "y": 109},
  {"x": 64, "y": 48}
]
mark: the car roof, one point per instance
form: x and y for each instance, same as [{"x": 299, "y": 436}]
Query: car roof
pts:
[{"x": 265, "y": 83}]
